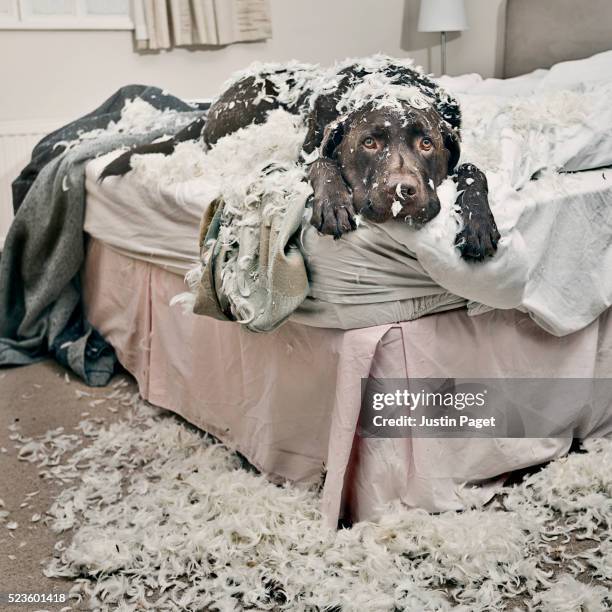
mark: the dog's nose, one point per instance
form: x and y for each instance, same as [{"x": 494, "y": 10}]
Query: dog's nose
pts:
[{"x": 405, "y": 189}]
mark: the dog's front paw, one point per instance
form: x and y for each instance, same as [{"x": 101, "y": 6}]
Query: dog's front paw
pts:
[
  {"x": 478, "y": 238},
  {"x": 332, "y": 211}
]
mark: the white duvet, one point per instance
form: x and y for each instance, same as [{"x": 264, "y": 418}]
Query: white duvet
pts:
[{"x": 555, "y": 257}]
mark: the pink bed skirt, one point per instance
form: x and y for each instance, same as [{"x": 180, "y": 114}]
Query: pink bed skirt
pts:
[{"x": 289, "y": 400}]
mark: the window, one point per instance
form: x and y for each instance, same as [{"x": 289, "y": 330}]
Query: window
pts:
[{"x": 65, "y": 15}]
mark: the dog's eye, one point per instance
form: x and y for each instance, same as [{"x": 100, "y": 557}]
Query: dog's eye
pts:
[
  {"x": 426, "y": 144},
  {"x": 369, "y": 143}
]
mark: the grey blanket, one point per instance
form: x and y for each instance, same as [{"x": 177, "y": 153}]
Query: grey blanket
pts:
[{"x": 41, "y": 312}]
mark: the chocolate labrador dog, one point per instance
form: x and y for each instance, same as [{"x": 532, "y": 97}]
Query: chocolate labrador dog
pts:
[{"x": 384, "y": 136}]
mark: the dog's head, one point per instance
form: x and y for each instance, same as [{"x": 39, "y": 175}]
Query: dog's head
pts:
[{"x": 393, "y": 159}]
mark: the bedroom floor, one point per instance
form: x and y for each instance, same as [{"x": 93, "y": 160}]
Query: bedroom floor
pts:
[
  {"x": 39, "y": 399},
  {"x": 42, "y": 397}
]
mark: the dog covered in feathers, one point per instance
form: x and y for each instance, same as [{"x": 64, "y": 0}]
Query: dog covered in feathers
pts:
[{"x": 381, "y": 137}]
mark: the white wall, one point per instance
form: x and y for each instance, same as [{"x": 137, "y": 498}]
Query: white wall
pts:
[{"x": 64, "y": 74}]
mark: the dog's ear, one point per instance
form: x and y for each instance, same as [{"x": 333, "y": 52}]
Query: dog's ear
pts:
[
  {"x": 452, "y": 142},
  {"x": 323, "y": 114},
  {"x": 332, "y": 137}
]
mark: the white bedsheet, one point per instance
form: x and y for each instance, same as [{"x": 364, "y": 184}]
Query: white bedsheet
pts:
[
  {"x": 147, "y": 220},
  {"x": 555, "y": 256},
  {"x": 553, "y": 262}
]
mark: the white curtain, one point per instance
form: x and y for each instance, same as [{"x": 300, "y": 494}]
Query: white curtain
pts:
[{"x": 162, "y": 24}]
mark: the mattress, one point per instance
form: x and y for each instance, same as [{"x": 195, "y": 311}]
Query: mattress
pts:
[
  {"x": 150, "y": 221},
  {"x": 371, "y": 276}
]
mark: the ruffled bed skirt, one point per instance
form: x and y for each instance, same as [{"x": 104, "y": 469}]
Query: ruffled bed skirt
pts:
[{"x": 289, "y": 400}]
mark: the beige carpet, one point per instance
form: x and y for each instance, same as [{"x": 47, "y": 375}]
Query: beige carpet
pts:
[
  {"x": 39, "y": 399},
  {"x": 155, "y": 515}
]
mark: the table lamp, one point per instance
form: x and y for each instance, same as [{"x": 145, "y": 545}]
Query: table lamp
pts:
[{"x": 442, "y": 16}]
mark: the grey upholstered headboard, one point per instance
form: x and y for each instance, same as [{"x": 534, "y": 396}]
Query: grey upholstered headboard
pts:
[{"x": 540, "y": 33}]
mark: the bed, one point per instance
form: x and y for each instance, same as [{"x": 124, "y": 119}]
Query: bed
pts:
[{"x": 289, "y": 400}]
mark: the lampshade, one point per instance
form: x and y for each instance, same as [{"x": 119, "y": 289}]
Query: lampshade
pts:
[{"x": 442, "y": 16}]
